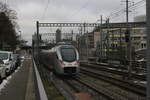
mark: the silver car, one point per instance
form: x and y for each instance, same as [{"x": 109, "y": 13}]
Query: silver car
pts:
[
  {"x": 7, "y": 58},
  {"x": 2, "y": 70}
]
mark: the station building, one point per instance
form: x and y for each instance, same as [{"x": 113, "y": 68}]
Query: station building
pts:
[{"x": 108, "y": 41}]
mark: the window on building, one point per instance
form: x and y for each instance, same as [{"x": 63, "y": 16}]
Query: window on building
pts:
[
  {"x": 116, "y": 45},
  {"x": 123, "y": 38},
  {"x": 137, "y": 38},
  {"x": 144, "y": 45},
  {"x": 144, "y": 37}
]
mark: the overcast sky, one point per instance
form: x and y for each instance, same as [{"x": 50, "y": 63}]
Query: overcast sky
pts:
[{"x": 30, "y": 11}]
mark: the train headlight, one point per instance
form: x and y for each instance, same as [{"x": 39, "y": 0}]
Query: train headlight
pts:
[{"x": 77, "y": 63}]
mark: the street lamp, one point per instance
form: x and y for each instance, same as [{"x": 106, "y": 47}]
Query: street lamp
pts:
[{"x": 19, "y": 35}]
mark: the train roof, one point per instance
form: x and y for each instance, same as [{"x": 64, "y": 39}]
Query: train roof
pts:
[
  {"x": 58, "y": 47},
  {"x": 64, "y": 43}
]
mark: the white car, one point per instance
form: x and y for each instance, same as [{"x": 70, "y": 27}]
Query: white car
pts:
[
  {"x": 7, "y": 58},
  {"x": 2, "y": 70}
]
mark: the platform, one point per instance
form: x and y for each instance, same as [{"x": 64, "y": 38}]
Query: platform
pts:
[{"x": 20, "y": 84}]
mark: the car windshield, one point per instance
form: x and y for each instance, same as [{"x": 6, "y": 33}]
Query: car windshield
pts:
[
  {"x": 3, "y": 56},
  {"x": 68, "y": 54}
]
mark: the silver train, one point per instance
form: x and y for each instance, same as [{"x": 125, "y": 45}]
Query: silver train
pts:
[{"x": 62, "y": 59}]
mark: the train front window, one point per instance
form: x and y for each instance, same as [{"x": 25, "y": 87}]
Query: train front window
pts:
[{"x": 68, "y": 54}]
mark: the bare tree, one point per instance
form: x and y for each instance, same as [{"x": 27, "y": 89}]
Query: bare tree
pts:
[{"x": 8, "y": 26}]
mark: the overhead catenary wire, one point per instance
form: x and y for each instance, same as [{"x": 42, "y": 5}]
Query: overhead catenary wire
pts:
[
  {"x": 77, "y": 11},
  {"x": 45, "y": 9},
  {"x": 121, "y": 13},
  {"x": 131, "y": 7},
  {"x": 138, "y": 5}
]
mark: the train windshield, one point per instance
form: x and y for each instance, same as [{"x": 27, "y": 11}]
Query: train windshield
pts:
[{"x": 68, "y": 54}]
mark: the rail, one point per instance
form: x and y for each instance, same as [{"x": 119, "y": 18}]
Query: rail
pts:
[
  {"x": 141, "y": 90},
  {"x": 114, "y": 69}
]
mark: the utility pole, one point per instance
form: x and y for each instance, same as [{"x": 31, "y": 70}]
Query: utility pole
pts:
[
  {"x": 107, "y": 53},
  {"x": 80, "y": 49},
  {"x": 148, "y": 47},
  {"x": 84, "y": 27},
  {"x": 87, "y": 41},
  {"x": 113, "y": 44},
  {"x": 128, "y": 41},
  {"x": 84, "y": 54},
  {"x": 72, "y": 35},
  {"x": 101, "y": 37},
  {"x": 120, "y": 47},
  {"x": 127, "y": 11},
  {"x": 37, "y": 27},
  {"x": 87, "y": 46}
]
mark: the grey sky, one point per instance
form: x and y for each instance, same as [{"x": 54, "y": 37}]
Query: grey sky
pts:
[{"x": 30, "y": 11}]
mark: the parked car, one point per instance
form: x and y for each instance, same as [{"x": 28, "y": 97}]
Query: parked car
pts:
[
  {"x": 22, "y": 58},
  {"x": 2, "y": 70},
  {"x": 7, "y": 58}
]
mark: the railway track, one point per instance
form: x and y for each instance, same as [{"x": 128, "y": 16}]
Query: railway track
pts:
[
  {"x": 100, "y": 90},
  {"x": 140, "y": 90},
  {"x": 68, "y": 87},
  {"x": 118, "y": 66},
  {"x": 114, "y": 70},
  {"x": 54, "y": 87},
  {"x": 99, "y": 93},
  {"x": 111, "y": 66},
  {"x": 79, "y": 84},
  {"x": 72, "y": 85},
  {"x": 83, "y": 86}
]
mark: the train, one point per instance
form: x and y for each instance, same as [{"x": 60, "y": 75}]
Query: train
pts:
[{"x": 62, "y": 59}]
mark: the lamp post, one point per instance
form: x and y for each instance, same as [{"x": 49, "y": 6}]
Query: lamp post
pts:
[{"x": 20, "y": 35}]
